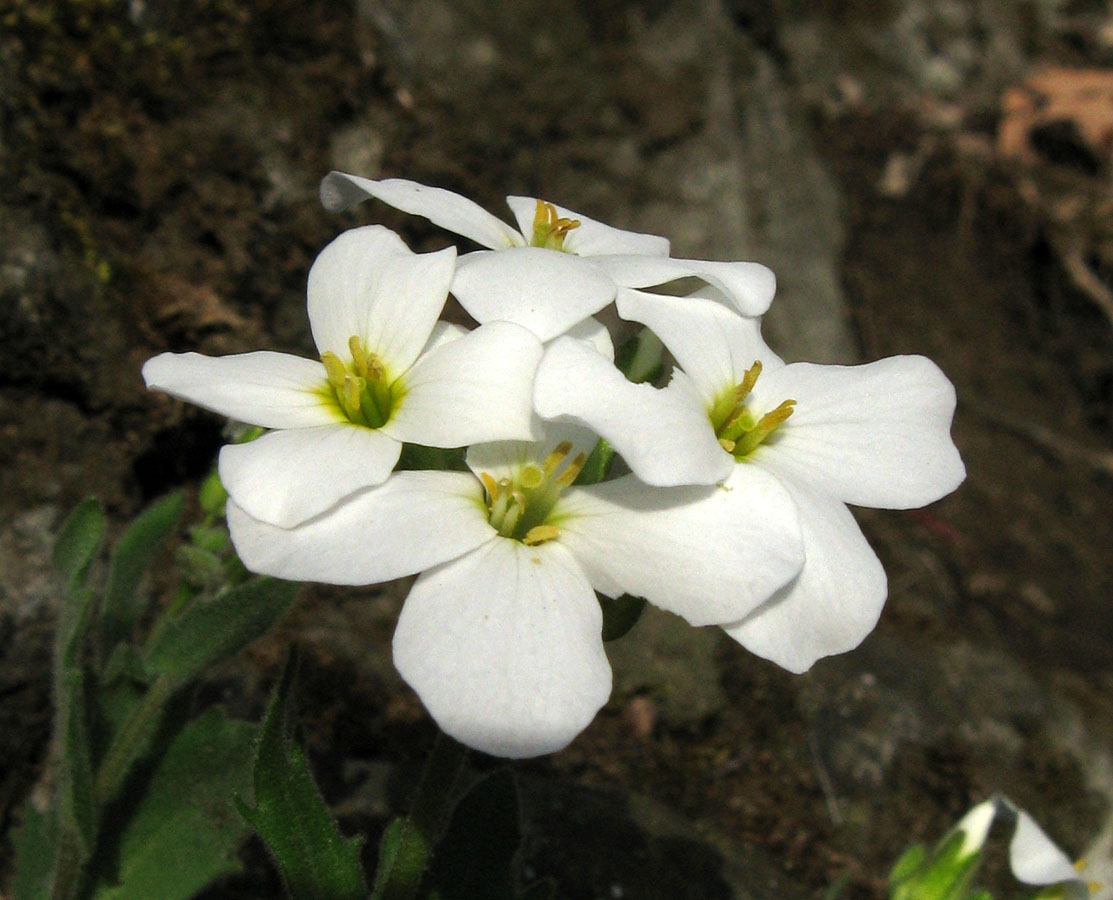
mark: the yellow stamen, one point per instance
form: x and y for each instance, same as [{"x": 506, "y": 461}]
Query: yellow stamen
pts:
[
  {"x": 539, "y": 534},
  {"x": 572, "y": 472},
  {"x": 748, "y": 381},
  {"x": 358, "y": 356},
  {"x": 553, "y": 460},
  {"x": 726, "y": 445},
  {"x": 549, "y": 229},
  {"x": 353, "y": 387},
  {"x": 335, "y": 370},
  {"x": 748, "y": 442},
  {"x": 491, "y": 486}
]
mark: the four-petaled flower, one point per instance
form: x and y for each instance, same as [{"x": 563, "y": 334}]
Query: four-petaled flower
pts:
[
  {"x": 558, "y": 267},
  {"x": 386, "y": 375},
  {"x": 873, "y": 435},
  {"x": 501, "y": 633}
]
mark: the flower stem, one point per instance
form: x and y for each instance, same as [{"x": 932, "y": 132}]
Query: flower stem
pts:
[{"x": 427, "y": 819}]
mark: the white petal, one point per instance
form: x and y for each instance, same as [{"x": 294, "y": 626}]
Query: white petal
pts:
[
  {"x": 478, "y": 388},
  {"x": 663, "y": 435},
  {"x": 749, "y": 286},
  {"x": 544, "y": 290},
  {"x": 411, "y": 522},
  {"x": 590, "y": 238},
  {"x": 368, "y": 284},
  {"x": 834, "y": 602},
  {"x": 444, "y": 208},
  {"x": 504, "y": 459},
  {"x": 595, "y": 333},
  {"x": 713, "y": 344},
  {"x": 1035, "y": 859},
  {"x": 872, "y": 435},
  {"x": 272, "y": 390},
  {"x": 710, "y": 555},
  {"x": 286, "y": 477},
  {"x": 504, "y": 648},
  {"x": 444, "y": 333}
]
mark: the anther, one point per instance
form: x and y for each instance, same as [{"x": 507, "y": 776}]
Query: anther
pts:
[
  {"x": 553, "y": 460},
  {"x": 539, "y": 534},
  {"x": 491, "y": 486},
  {"x": 353, "y": 388},
  {"x": 335, "y": 370},
  {"x": 572, "y": 472},
  {"x": 358, "y": 356},
  {"x": 768, "y": 423}
]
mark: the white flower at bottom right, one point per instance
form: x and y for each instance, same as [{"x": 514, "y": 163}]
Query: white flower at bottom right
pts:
[{"x": 874, "y": 435}]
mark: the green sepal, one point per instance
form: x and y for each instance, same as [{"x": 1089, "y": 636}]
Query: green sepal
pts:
[
  {"x": 209, "y": 631},
  {"x": 35, "y": 844},
  {"x": 77, "y": 542},
  {"x": 598, "y": 464},
  {"x": 212, "y": 496},
  {"x": 183, "y": 831},
  {"x": 908, "y": 863},
  {"x": 620, "y": 614},
  {"x": 475, "y": 858},
  {"x": 131, "y": 557},
  {"x": 317, "y": 862}
]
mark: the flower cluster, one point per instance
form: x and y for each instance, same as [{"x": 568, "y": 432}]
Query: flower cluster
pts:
[{"x": 520, "y": 472}]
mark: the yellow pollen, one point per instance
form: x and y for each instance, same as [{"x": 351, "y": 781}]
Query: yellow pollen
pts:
[
  {"x": 549, "y": 229},
  {"x": 491, "y": 486},
  {"x": 553, "y": 460},
  {"x": 748, "y": 381},
  {"x": 572, "y": 472},
  {"x": 539, "y": 534}
]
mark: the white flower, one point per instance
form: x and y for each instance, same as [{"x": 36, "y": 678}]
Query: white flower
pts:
[
  {"x": 558, "y": 267},
  {"x": 501, "y": 634},
  {"x": 386, "y": 376},
  {"x": 1033, "y": 857},
  {"x": 872, "y": 435}
]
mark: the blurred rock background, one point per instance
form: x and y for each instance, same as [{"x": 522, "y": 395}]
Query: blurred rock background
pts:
[{"x": 923, "y": 177}]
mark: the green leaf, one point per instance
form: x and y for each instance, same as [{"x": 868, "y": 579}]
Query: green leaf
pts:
[
  {"x": 209, "y": 631},
  {"x": 77, "y": 811},
  {"x": 475, "y": 859},
  {"x": 620, "y": 614},
  {"x": 78, "y": 541},
  {"x": 36, "y": 847},
  {"x": 131, "y": 557},
  {"x": 184, "y": 831},
  {"x": 316, "y": 860}
]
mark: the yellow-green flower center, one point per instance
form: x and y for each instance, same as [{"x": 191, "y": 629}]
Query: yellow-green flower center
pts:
[
  {"x": 519, "y": 507},
  {"x": 549, "y": 229},
  {"x": 364, "y": 391},
  {"x": 739, "y": 431}
]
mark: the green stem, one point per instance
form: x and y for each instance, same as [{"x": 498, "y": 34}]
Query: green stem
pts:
[
  {"x": 133, "y": 738},
  {"x": 427, "y": 819},
  {"x": 67, "y": 867}
]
